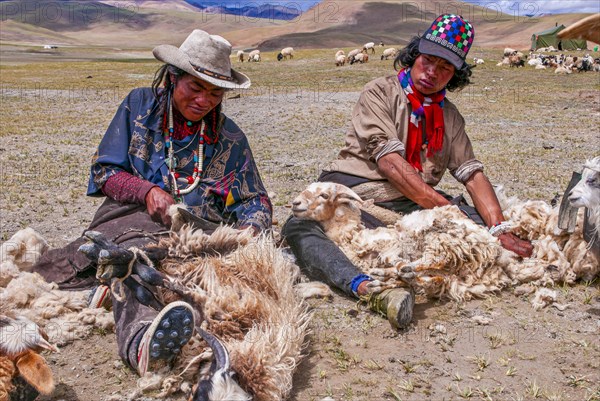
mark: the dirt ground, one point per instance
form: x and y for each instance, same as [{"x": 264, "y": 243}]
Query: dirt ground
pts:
[{"x": 530, "y": 128}]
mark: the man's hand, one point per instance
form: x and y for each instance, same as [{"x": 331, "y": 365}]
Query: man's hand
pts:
[
  {"x": 515, "y": 244},
  {"x": 157, "y": 203}
]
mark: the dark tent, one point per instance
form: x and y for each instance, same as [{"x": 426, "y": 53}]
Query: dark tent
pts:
[{"x": 548, "y": 38}]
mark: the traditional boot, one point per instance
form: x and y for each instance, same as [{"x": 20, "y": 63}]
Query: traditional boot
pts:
[
  {"x": 396, "y": 304},
  {"x": 164, "y": 338}
]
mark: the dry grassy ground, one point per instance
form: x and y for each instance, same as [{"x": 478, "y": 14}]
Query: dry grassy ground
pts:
[{"x": 530, "y": 128}]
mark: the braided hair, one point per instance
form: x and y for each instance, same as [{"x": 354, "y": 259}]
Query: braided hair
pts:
[{"x": 162, "y": 85}]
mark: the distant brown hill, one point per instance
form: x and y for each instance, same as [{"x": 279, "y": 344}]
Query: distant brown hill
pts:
[{"x": 329, "y": 24}]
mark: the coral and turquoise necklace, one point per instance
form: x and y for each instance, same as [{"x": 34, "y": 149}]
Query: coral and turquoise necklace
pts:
[{"x": 194, "y": 179}]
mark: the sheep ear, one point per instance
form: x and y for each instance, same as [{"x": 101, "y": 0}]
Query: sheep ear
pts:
[
  {"x": 35, "y": 371},
  {"x": 346, "y": 195}
]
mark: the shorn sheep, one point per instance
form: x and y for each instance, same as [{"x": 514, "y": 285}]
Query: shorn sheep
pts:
[
  {"x": 369, "y": 46},
  {"x": 340, "y": 60},
  {"x": 285, "y": 53},
  {"x": 442, "y": 253}
]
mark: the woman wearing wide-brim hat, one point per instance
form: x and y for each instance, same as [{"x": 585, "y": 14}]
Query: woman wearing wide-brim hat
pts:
[{"x": 166, "y": 144}]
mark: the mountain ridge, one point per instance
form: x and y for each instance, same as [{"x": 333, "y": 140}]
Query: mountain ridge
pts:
[{"x": 327, "y": 24}]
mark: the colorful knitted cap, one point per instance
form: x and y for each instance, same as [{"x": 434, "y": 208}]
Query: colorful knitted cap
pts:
[{"x": 450, "y": 37}]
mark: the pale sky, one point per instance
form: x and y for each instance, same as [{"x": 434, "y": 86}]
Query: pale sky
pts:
[{"x": 537, "y": 7}]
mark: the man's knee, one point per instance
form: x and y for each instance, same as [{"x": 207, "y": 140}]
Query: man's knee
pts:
[{"x": 295, "y": 226}]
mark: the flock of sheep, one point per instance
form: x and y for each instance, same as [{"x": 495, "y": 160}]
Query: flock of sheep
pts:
[
  {"x": 354, "y": 56},
  {"x": 561, "y": 63}
]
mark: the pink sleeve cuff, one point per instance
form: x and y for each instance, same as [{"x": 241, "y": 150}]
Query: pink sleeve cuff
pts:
[{"x": 127, "y": 188}]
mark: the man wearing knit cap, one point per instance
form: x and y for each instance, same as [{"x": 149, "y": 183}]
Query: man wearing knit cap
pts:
[{"x": 404, "y": 135}]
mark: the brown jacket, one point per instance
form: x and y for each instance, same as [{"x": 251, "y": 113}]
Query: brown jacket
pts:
[{"x": 380, "y": 126}]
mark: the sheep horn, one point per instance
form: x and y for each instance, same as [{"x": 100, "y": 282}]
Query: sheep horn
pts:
[
  {"x": 219, "y": 350},
  {"x": 343, "y": 192},
  {"x": 221, "y": 385}
]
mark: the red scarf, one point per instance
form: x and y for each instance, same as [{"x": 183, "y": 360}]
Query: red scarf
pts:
[{"x": 433, "y": 115}]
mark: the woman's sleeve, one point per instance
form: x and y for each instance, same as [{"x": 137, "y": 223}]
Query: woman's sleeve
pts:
[
  {"x": 247, "y": 201},
  {"x": 112, "y": 155},
  {"x": 127, "y": 188}
]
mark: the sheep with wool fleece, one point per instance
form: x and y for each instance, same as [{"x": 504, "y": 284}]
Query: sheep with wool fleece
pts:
[
  {"x": 369, "y": 46},
  {"x": 440, "y": 252},
  {"x": 250, "y": 318},
  {"x": 568, "y": 253},
  {"x": 285, "y": 53},
  {"x": 389, "y": 52},
  {"x": 351, "y": 54}
]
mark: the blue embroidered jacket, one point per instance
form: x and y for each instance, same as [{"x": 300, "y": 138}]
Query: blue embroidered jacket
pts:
[{"x": 230, "y": 190}]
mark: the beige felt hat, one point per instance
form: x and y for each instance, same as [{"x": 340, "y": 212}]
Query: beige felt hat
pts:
[{"x": 204, "y": 56}]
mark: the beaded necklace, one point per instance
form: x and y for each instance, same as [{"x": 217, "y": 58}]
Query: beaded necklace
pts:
[{"x": 194, "y": 179}]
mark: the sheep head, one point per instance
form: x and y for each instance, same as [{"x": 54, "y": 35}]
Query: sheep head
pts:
[
  {"x": 220, "y": 384},
  {"x": 587, "y": 192},
  {"x": 325, "y": 201}
]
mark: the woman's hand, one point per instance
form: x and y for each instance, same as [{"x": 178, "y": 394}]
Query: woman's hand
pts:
[
  {"x": 157, "y": 203},
  {"x": 515, "y": 244}
]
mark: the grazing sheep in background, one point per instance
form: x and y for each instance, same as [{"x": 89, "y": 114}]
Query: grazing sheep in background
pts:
[
  {"x": 351, "y": 55},
  {"x": 254, "y": 55},
  {"x": 339, "y": 53},
  {"x": 240, "y": 56},
  {"x": 369, "y": 46},
  {"x": 478, "y": 60},
  {"x": 340, "y": 60},
  {"x": 285, "y": 53},
  {"x": 390, "y": 52},
  {"x": 562, "y": 69},
  {"x": 360, "y": 58},
  {"x": 515, "y": 61}
]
